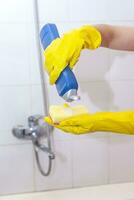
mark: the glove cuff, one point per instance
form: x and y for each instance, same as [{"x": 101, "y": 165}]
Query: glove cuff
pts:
[{"x": 91, "y": 36}]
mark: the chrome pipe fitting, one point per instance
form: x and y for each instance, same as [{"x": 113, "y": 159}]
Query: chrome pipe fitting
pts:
[{"x": 35, "y": 130}]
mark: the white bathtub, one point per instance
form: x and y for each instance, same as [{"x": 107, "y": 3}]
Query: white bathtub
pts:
[{"x": 123, "y": 191}]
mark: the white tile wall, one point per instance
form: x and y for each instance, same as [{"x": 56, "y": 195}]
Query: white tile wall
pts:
[
  {"x": 88, "y": 10},
  {"x": 121, "y": 158},
  {"x": 54, "y": 11},
  {"x": 37, "y": 100},
  {"x": 33, "y": 55},
  {"x": 14, "y": 105},
  {"x": 16, "y": 158},
  {"x": 61, "y": 176},
  {"x": 16, "y": 169},
  {"x": 122, "y": 95},
  {"x": 7, "y": 138},
  {"x": 59, "y": 135},
  {"x": 16, "y": 11},
  {"x": 121, "y": 65},
  {"x": 91, "y": 69},
  {"x": 101, "y": 10},
  {"x": 95, "y": 95},
  {"x": 14, "y": 54},
  {"x": 90, "y": 161},
  {"x": 105, "y": 81},
  {"x": 120, "y": 10}
]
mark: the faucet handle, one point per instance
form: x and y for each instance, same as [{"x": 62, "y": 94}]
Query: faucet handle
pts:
[{"x": 33, "y": 120}]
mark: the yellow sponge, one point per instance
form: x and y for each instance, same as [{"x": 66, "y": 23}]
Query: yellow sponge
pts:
[{"x": 59, "y": 113}]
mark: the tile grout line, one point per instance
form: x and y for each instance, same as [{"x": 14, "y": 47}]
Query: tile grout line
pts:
[
  {"x": 19, "y": 85},
  {"x": 15, "y": 144}
]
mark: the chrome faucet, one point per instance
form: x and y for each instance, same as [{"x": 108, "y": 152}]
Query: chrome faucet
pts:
[{"x": 35, "y": 131}]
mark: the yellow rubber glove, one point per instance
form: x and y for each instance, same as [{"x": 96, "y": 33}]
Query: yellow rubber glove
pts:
[
  {"x": 66, "y": 50},
  {"x": 119, "y": 122}
]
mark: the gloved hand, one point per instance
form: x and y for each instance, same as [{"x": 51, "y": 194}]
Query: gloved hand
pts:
[
  {"x": 65, "y": 51},
  {"x": 119, "y": 122}
]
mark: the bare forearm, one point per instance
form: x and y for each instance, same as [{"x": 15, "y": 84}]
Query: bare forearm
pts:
[{"x": 117, "y": 37}]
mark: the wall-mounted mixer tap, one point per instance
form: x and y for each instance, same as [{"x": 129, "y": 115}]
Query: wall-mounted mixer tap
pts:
[{"x": 35, "y": 130}]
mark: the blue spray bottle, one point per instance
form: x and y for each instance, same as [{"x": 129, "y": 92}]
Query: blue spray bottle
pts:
[{"x": 66, "y": 84}]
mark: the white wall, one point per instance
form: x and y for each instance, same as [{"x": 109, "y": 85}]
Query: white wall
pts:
[{"x": 91, "y": 159}]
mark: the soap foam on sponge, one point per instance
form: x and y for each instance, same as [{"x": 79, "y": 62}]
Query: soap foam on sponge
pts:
[{"x": 59, "y": 113}]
